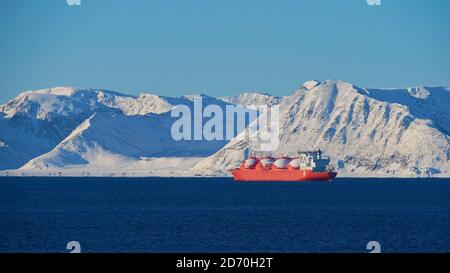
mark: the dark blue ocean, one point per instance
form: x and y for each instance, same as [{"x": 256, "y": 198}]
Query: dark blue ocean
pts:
[{"x": 218, "y": 215}]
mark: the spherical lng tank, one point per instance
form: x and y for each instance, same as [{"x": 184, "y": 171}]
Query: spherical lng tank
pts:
[
  {"x": 295, "y": 163},
  {"x": 282, "y": 163},
  {"x": 250, "y": 163},
  {"x": 267, "y": 162}
]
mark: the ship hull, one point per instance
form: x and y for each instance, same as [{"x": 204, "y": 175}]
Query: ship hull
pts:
[{"x": 280, "y": 175}]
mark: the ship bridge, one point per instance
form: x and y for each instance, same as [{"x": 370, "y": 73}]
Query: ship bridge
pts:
[{"x": 313, "y": 160}]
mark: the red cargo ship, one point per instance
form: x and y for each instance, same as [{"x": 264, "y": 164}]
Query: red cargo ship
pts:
[{"x": 307, "y": 166}]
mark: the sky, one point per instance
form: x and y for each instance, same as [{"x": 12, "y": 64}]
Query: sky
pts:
[{"x": 221, "y": 47}]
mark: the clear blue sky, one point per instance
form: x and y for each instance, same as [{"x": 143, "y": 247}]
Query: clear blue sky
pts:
[{"x": 221, "y": 47}]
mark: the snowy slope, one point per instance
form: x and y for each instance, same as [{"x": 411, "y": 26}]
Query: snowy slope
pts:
[
  {"x": 35, "y": 122},
  {"x": 367, "y": 132},
  {"x": 108, "y": 139}
]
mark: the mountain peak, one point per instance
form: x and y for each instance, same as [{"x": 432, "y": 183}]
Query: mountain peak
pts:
[
  {"x": 196, "y": 96},
  {"x": 310, "y": 84},
  {"x": 68, "y": 91},
  {"x": 59, "y": 91}
]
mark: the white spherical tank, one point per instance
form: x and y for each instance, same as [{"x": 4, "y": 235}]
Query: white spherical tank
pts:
[
  {"x": 282, "y": 163},
  {"x": 267, "y": 162},
  {"x": 250, "y": 163},
  {"x": 295, "y": 163}
]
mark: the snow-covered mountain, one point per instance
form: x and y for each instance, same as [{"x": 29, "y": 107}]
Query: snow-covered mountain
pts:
[
  {"x": 367, "y": 132},
  {"x": 108, "y": 138},
  {"x": 49, "y": 127}
]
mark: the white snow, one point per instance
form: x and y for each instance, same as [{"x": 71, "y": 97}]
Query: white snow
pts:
[{"x": 158, "y": 166}]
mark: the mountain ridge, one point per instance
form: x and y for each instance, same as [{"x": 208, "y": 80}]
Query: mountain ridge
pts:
[{"x": 369, "y": 132}]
